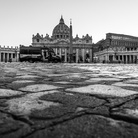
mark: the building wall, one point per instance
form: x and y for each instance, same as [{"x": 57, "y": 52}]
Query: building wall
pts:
[{"x": 118, "y": 48}]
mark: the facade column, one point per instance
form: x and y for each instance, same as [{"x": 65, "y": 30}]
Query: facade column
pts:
[
  {"x": 118, "y": 57},
  {"x": 77, "y": 55},
  {"x": 91, "y": 55},
  {"x": 106, "y": 58},
  {"x": 56, "y": 51},
  {"x": 83, "y": 55},
  {"x": 113, "y": 57},
  {"x": 60, "y": 52},
  {"x": 65, "y": 54},
  {"x": 0, "y": 56}
]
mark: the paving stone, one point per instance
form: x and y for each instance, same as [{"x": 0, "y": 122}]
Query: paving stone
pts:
[
  {"x": 87, "y": 126},
  {"x": 22, "y": 73},
  {"x": 53, "y": 112},
  {"x": 29, "y": 102},
  {"x": 121, "y": 84},
  {"x": 23, "y": 81},
  {"x": 12, "y": 128},
  {"x": 132, "y": 81},
  {"x": 38, "y": 87},
  {"x": 8, "y": 93},
  {"x": 63, "y": 82},
  {"x": 74, "y": 100},
  {"x": 103, "y": 90},
  {"x": 121, "y": 101},
  {"x": 102, "y": 79},
  {"x": 128, "y": 110},
  {"x": 26, "y": 76}
]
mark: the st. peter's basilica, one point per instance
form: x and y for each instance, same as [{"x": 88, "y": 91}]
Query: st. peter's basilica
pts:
[{"x": 60, "y": 41}]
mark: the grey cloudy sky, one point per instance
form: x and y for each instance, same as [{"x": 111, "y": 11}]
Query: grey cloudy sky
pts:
[{"x": 20, "y": 19}]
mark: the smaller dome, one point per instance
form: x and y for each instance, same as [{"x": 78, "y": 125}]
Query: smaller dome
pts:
[{"x": 61, "y": 31}]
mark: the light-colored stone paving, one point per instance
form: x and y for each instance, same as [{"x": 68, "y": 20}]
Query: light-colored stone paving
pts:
[
  {"x": 121, "y": 84},
  {"x": 28, "y": 103},
  {"x": 23, "y": 81},
  {"x": 38, "y": 87},
  {"x": 135, "y": 81},
  {"x": 132, "y": 112},
  {"x": 26, "y": 76},
  {"x": 103, "y": 90},
  {"x": 8, "y": 93},
  {"x": 102, "y": 79},
  {"x": 63, "y": 82}
]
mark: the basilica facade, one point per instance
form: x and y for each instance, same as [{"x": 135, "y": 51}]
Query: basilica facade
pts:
[{"x": 65, "y": 45}]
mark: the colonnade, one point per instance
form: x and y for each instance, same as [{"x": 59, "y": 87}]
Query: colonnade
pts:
[
  {"x": 124, "y": 58},
  {"x": 9, "y": 56}
]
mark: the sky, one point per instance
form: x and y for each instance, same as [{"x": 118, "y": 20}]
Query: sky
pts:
[{"x": 20, "y": 19}]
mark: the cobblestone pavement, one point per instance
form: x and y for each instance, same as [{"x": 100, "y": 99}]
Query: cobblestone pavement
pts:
[{"x": 40, "y": 100}]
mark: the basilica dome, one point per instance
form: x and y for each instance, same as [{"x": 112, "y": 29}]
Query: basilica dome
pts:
[{"x": 61, "y": 31}]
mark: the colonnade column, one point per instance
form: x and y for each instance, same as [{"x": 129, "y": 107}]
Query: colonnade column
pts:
[
  {"x": 17, "y": 57},
  {"x": 134, "y": 58},
  {"x": 7, "y": 57},
  {"x": 3, "y": 56},
  {"x": 126, "y": 59},
  {"x": 123, "y": 58},
  {"x": 130, "y": 59}
]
